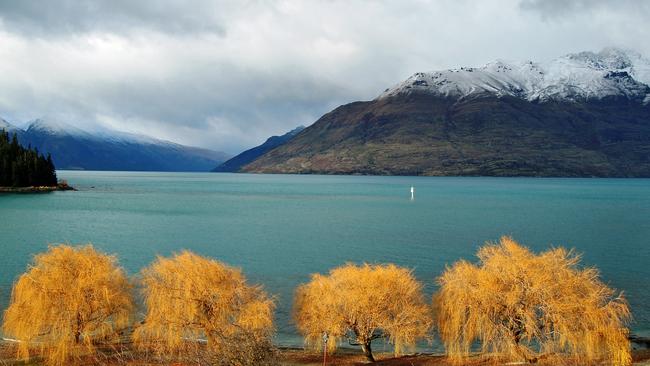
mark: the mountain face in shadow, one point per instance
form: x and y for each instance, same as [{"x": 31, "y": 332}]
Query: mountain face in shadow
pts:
[
  {"x": 236, "y": 163},
  {"x": 72, "y": 148},
  {"x": 583, "y": 115}
]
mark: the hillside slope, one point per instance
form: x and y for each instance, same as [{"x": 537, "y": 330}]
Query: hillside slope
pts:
[
  {"x": 592, "y": 121},
  {"x": 73, "y": 148},
  {"x": 236, "y": 163}
]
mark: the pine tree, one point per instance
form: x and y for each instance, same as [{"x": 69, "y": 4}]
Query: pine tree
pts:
[{"x": 24, "y": 167}]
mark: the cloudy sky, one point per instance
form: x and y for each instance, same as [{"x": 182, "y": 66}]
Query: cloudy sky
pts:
[{"x": 227, "y": 74}]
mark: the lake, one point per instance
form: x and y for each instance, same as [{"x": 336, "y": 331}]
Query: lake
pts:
[{"x": 281, "y": 228}]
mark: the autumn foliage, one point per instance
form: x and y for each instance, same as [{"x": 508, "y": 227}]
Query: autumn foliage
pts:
[
  {"x": 69, "y": 299},
  {"x": 520, "y": 306},
  {"x": 361, "y": 304},
  {"x": 200, "y": 308},
  {"x": 512, "y": 306}
]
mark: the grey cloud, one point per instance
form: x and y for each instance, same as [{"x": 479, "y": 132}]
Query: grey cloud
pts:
[
  {"x": 57, "y": 18},
  {"x": 221, "y": 106},
  {"x": 565, "y": 8},
  {"x": 227, "y": 74},
  {"x": 248, "y": 106}
]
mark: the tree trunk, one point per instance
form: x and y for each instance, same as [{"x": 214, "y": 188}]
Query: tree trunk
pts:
[
  {"x": 367, "y": 350},
  {"x": 77, "y": 333}
]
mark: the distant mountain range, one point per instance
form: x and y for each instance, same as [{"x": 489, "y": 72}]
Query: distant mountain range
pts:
[
  {"x": 581, "y": 115},
  {"x": 73, "y": 148},
  {"x": 236, "y": 163},
  {"x": 584, "y": 114}
]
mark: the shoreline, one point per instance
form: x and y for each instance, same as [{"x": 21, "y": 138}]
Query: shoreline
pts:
[
  {"x": 123, "y": 354},
  {"x": 38, "y": 189}
]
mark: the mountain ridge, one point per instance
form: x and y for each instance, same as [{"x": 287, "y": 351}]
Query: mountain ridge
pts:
[
  {"x": 236, "y": 163},
  {"x": 486, "y": 126},
  {"x": 578, "y": 76},
  {"x": 77, "y": 149}
]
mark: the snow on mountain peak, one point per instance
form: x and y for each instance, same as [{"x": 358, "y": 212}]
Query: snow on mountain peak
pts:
[
  {"x": 579, "y": 76},
  {"x": 55, "y": 127},
  {"x": 8, "y": 127}
]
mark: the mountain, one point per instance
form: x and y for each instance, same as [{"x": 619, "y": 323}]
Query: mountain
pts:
[
  {"x": 574, "y": 77},
  {"x": 235, "y": 164},
  {"x": 8, "y": 127},
  {"x": 73, "y": 148},
  {"x": 584, "y": 114}
]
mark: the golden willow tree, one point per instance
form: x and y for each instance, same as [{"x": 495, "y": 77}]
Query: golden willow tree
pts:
[
  {"x": 361, "y": 304},
  {"x": 69, "y": 299},
  {"x": 521, "y": 306},
  {"x": 198, "y": 308}
]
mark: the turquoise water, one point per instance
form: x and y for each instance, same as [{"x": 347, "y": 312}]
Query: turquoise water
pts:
[{"x": 281, "y": 228}]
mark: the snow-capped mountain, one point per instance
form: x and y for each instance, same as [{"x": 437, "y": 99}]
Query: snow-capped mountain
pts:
[
  {"x": 4, "y": 125},
  {"x": 54, "y": 127},
  {"x": 74, "y": 148},
  {"x": 581, "y": 115},
  {"x": 60, "y": 128},
  {"x": 580, "y": 76}
]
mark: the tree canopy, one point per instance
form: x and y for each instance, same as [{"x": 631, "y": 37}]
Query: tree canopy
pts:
[
  {"x": 191, "y": 299},
  {"x": 70, "y": 298},
  {"x": 522, "y": 306},
  {"x": 24, "y": 167},
  {"x": 361, "y": 304}
]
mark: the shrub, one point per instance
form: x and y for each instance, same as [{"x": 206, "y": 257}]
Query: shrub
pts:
[
  {"x": 199, "y": 308},
  {"x": 363, "y": 303},
  {"x": 522, "y": 306},
  {"x": 70, "y": 299}
]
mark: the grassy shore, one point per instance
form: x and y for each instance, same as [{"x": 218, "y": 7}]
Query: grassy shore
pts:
[
  {"x": 123, "y": 355},
  {"x": 304, "y": 358}
]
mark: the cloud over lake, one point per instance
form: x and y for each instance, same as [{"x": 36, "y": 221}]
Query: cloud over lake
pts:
[{"x": 227, "y": 74}]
